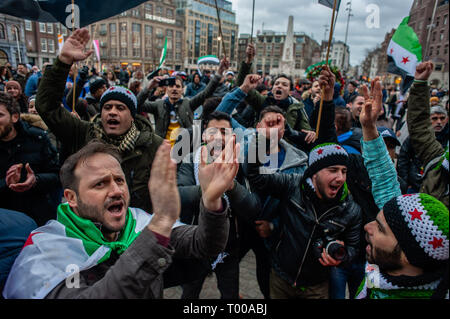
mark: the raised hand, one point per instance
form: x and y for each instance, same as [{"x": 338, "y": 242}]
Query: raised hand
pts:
[
  {"x": 423, "y": 71},
  {"x": 217, "y": 177},
  {"x": 251, "y": 81},
  {"x": 371, "y": 110},
  {"x": 326, "y": 82},
  {"x": 224, "y": 65},
  {"x": 73, "y": 49},
  {"x": 310, "y": 136},
  {"x": 164, "y": 191},
  {"x": 250, "y": 53}
]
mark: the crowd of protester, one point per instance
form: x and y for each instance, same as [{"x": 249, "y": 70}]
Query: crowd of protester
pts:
[{"x": 347, "y": 201}]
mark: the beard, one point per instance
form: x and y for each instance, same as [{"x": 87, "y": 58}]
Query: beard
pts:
[
  {"x": 94, "y": 214},
  {"x": 6, "y": 130},
  {"x": 387, "y": 261}
]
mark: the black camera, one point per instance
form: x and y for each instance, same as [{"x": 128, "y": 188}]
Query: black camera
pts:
[
  {"x": 334, "y": 249},
  {"x": 167, "y": 81}
]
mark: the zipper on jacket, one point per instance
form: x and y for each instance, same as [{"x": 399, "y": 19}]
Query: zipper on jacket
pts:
[{"x": 310, "y": 238}]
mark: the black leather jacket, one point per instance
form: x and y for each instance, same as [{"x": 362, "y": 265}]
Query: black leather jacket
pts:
[{"x": 294, "y": 257}]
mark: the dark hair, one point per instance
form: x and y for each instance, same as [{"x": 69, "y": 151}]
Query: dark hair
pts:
[
  {"x": 291, "y": 84},
  {"x": 261, "y": 87},
  {"x": 353, "y": 83},
  {"x": 210, "y": 105},
  {"x": 343, "y": 119},
  {"x": 134, "y": 86},
  {"x": 22, "y": 64},
  {"x": 271, "y": 109},
  {"x": 67, "y": 172},
  {"x": 11, "y": 104},
  {"x": 218, "y": 116},
  {"x": 353, "y": 98}
]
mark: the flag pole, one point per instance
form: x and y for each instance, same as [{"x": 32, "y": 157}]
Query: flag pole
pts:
[
  {"x": 333, "y": 20},
  {"x": 75, "y": 71},
  {"x": 220, "y": 31},
  {"x": 253, "y": 20}
]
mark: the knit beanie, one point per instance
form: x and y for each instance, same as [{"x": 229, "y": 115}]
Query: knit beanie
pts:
[
  {"x": 325, "y": 155},
  {"x": 420, "y": 225},
  {"x": 13, "y": 83},
  {"x": 96, "y": 83},
  {"x": 121, "y": 94}
]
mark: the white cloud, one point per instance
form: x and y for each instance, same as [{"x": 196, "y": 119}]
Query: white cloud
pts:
[{"x": 310, "y": 18}]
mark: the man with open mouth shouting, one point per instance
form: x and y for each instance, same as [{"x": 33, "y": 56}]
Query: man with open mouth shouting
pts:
[
  {"x": 99, "y": 247},
  {"x": 117, "y": 124}
]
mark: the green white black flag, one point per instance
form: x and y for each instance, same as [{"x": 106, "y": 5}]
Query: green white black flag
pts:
[{"x": 404, "y": 53}]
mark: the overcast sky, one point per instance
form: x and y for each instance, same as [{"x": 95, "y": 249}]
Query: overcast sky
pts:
[{"x": 310, "y": 17}]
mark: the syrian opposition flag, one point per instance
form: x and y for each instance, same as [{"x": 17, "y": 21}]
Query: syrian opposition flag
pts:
[
  {"x": 330, "y": 3},
  {"x": 162, "y": 59},
  {"x": 404, "y": 53},
  {"x": 207, "y": 59}
]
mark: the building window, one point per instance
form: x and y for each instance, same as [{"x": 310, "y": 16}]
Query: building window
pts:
[
  {"x": 441, "y": 36},
  {"x": 445, "y": 19},
  {"x": 43, "y": 44},
  {"x": 136, "y": 35},
  {"x": 15, "y": 32},
  {"x": 64, "y": 30},
  {"x": 42, "y": 27},
  {"x": 113, "y": 28},
  {"x": 123, "y": 52},
  {"x": 159, "y": 10},
  {"x": 28, "y": 25},
  {"x": 51, "y": 45},
  {"x": 50, "y": 28},
  {"x": 149, "y": 7},
  {"x": 148, "y": 30},
  {"x": 136, "y": 52},
  {"x": 169, "y": 13}
]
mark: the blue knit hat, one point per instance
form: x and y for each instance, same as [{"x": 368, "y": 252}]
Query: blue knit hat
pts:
[{"x": 121, "y": 94}]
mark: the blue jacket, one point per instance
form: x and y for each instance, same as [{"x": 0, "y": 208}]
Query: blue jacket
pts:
[
  {"x": 32, "y": 84},
  {"x": 193, "y": 89}
]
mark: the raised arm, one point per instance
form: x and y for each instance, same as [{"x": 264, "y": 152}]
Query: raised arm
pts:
[
  {"x": 423, "y": 139},
  {"x": 66, "y": 127},
  {"x": 379, "y": 165}
]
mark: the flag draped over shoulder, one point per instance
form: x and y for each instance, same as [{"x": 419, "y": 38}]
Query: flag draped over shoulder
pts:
[
  {"x": 60, "y": 10},
  {"x": 404, "y": 53}
]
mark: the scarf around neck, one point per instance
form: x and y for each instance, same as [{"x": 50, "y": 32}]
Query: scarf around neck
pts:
[
  {"x": 91, "y": 236},
  {"x": 124, "y": 143},
  {"x": 378, "y": 285}
]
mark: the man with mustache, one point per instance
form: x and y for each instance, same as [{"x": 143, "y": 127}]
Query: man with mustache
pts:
[
  {"x": 280, "y": 95},
  {"x": 315, "y": 209},
  {"x": 408, "y": 244},
  {"x": 28, "y": 165},
  {"x": 243, "y": 207},
  {"x": 115, "y": 250},
  {"x": 117, "y": 124}
]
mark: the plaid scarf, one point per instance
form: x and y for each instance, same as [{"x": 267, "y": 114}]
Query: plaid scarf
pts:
[{"x": 125, "y": 143}]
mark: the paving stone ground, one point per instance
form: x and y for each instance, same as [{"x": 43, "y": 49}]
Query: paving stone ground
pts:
[{"x": 248, "y": 286}]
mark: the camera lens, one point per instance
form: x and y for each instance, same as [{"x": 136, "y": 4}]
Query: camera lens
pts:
[{"x": 336, "y": 250}]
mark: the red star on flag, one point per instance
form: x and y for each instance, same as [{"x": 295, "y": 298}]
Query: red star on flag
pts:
[
  {"x": 405, "y": 60},
  {"x": 338, "y": 147},
  {"x": 320, "y": 151},
  {"x": 415, "y": 214},
  {"x": 408, "y": 195},
  {"x": 392, "y": 50},
  {"x": 436, "y": 242}
]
